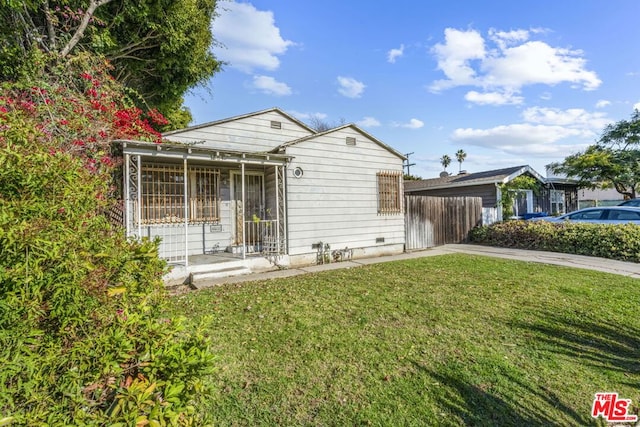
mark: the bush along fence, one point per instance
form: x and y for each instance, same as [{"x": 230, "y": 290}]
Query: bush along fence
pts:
[{"x": 615, "y": 241}]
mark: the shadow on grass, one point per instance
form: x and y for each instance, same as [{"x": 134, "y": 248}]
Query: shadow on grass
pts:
[
  {"x": 601, "y": 344},
  {"x": 479, "y": 405}
]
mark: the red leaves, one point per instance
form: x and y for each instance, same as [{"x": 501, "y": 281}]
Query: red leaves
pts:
[
  {"x": 157, "y": 118},
  {"x": 130, "y": 123},
  {"x": 79, "y": 113}
]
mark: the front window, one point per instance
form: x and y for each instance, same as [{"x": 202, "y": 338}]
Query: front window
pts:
[
  {"x": 389, "y": 192},
  {"x": 557, "y": 202},
  {"x": 163, "y": 194}
]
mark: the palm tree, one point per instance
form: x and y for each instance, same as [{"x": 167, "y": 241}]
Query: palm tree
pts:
[
  {"x": 445, "y": 161},
  {"x": 460, "y": 156}
]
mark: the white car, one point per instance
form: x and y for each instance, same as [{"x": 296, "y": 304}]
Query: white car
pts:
[{"x": 598, "y": 215}]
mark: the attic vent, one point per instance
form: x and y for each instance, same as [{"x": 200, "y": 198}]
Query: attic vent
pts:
[
  {"x": 351, "y": 140},
  {"x": 276, "y": 125}
]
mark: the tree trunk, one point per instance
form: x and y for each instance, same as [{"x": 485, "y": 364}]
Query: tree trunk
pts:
[{"x": 93, "y": 5}]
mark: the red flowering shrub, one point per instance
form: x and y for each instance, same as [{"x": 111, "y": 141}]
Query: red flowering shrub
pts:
[{"x": 82, "y": 340}]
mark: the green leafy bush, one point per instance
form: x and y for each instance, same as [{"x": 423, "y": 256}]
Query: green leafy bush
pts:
[
  {"x": 82, "y": 337},
  {"x": 615, "y": 241}
]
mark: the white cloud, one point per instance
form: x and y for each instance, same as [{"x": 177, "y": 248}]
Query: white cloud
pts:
[
  {"x": 412, "y": 124},
  {"x": 368, "y": 122},
  {"x": 603, "y": 103},
  {"x": 393, "y": 54},
  {"x": 636, "y": 106},
  {"x": 271, "y": 86},
  {"x": 535, "y": 62},
  {"x": 507, "y": 38},
  {"x": 576, "y": 118},
  {"x": 544, "y": 132},
  {"x": 522, "y": 138},
  {"x": 350, "y": 87},
  {"x": 455, "y": 56},
  {"x": 493, "y": 98},
  {"x": 515, "y": 61},
  {"x": 250, "y": 38},
  {"x": 306, "y": 116}
]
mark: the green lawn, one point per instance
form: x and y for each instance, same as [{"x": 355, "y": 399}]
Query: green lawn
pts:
[{"x": 446, "y": 340}]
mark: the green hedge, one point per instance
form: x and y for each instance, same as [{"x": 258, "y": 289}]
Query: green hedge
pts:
[
  {"x": 84, "y": 338},
  {"x": 615, "y": 241}
]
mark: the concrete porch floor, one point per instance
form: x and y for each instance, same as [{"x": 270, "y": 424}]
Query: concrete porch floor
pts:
[{"x": 206, "y": 267}]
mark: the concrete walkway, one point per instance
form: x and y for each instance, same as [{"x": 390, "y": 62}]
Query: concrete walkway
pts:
[{"x": 622, "y": 268}]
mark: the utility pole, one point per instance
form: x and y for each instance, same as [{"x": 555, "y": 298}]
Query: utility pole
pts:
[{"x": 407, "y": 164}]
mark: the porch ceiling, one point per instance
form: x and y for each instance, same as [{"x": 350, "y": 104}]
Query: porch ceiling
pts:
[{"x": 192, "y": 152}]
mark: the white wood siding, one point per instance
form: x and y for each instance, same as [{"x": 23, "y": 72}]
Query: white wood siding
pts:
[
  {"x": 252, "y": 133},
  {"x": 336, "y": 199}
]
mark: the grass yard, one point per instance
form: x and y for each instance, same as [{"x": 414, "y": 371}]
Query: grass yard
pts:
[{"x": 446, "y": 340}]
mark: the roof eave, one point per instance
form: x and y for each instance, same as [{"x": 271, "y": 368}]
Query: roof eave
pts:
[
  {"x": 188, "y": 151},
  {"x": 242, "y": 116}
]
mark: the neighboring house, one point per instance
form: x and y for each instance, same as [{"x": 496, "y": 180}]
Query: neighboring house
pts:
[
  {"x": 557, "y": 196},
  {"x": 590, "y": 197},
  {"x": 264, "y": 187},
  {"x": 598, "y": 197}
]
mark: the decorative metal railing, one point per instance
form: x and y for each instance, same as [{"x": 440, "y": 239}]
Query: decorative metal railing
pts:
[{"x": 262, "y": 236}]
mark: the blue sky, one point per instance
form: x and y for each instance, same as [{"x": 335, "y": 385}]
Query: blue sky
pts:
[{"x": 509, "y": 82}]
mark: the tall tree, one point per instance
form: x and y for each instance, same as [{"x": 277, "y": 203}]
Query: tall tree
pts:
[
  {"x": 614, "y": 161},
  {"x": 460, "y": 156},
  {"x": 445, "y": 161},
  {"x": 159, "y": 48}
]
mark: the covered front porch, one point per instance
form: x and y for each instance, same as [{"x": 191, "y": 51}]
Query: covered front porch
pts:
[{"x": 205, "y": 205}]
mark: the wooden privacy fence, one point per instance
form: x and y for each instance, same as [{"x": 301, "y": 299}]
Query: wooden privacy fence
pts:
[{"x": 434, "y": 221}]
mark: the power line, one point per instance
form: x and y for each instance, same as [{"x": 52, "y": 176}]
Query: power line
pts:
[{"x": 408, "y": 165}]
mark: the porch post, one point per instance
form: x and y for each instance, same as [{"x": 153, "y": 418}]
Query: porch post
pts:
[
  {"x": 139, "y": 210},
  {"x": 244, "y": 228},
  {"x": 186, "y": 215},
  {"x": 277, "y": 172},
  {"x": 127, "y": 195},
  {"x": 498, "y": 203},
  {"x": 285, "y": 213}
]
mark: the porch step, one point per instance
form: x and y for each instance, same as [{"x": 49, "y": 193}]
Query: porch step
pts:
[{"x": 204, "y": 279}]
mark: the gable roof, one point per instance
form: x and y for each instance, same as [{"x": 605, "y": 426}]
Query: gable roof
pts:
[
  {"x": 243, "y": 116},
  {"x": 496, "y": 176},
  {"x": 339, "y": 128}
]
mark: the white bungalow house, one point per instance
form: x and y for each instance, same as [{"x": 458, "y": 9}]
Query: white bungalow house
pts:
[{"x": 263, "y": 190}]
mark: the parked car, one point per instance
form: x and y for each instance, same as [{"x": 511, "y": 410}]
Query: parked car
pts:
[
  {"x": 631, "y": 202},
  {"x": 599, "y": 215}
]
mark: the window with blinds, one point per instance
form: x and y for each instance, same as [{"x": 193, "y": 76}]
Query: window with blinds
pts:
[
  {"x": 163, "y": 194},
  {"x": 389, "y": 192}
]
